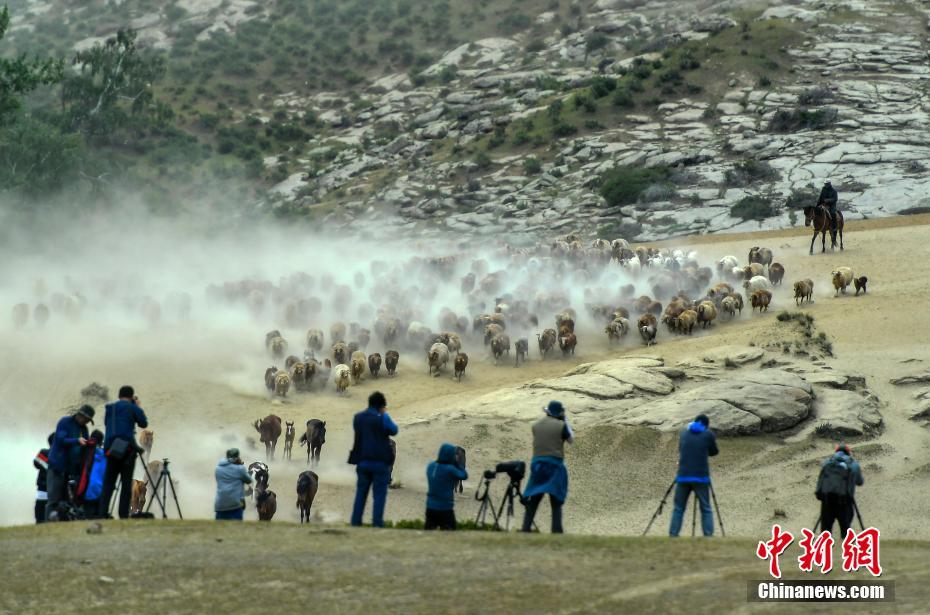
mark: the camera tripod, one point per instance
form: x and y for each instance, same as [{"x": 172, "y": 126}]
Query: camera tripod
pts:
[
  {"x": 855, "y": 508},
  {"x": 487, "y": 503},
  {"x": 164, "y": 481},
  {"x": 693, "y": 512}
]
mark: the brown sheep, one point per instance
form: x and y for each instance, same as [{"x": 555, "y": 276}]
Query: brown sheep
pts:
[
  {"x": 761, "y": 299},
  {"x": 500, "y": 346},
  {"x": 752, "y": 270},
  {"x": 364, "y": 338},
  {"x": 641, "y": 305},
  {"x": 391, "y": 358},
  {"x": 437, "y": 357},
  {"x": 706, "y": 313},
  {"x": 686, "y": 321},
  {"x": 762, "y": 256},
  {"x": 315, "y": 340},
  {"x": 776, "y": 273},
  {"x": 269, "y": 378},
  {"x": 282, "y": 383},
  {"x": 567, "y": 344},
  {"x": 290, "y": 361},
  {"x": 461, "y": 362},
  {"x": 521, "y": 349},
  {"x": 803, "y": 289},
  {"x": 567, "y": 318},
  {"x": 337, "y": 332},
  {"x": 340, "y": 353},
  {"x": 298, "y": 374},
  {"x": 277, "y": 346},
  {"x": 357, "y": 368},
  {"x": 860, "y": 284},
  {"x": 647, "y": 327},
  {"x": 738, "y": 298},
  {"x": 374, "y": 364},
  {"x": 728, "y": 306},
  {"x": 491, "y": 331},
  {"x": 546, "y": 341}
]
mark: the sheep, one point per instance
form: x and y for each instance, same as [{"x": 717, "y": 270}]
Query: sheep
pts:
[
  {"x": 521, "y": 350},
  {"x": 567, "y": 344},
  {"x": 686, "y": 321},
  {"x": 437, "y": 357},
  {"x": 728, "y": 306},
  {"x": 340, "y": 353},
  {"x": 761, "y": 299},
  {"x": 752, "y": 270},
  {"x": 315, "y": 340},
  {"x": 842, "y": 277},
  {"x": 726, "y": 265},
  {"x": 374, "y": 364},
  {"x": 491, "y": 331},
  {"x": 290, "y": 362},
  {"x": 803, "y": 289},
  {"x": 391, "y": 358},
  {"x": 453, "y": 341},
  {"x": 738, "y": 298},
  {"x": 459, "y": 364},
  {"x": 20, "y": 315},
  {"x": 282, "y": 382},
  {"x": 565, "y": 320},
  {"x": 357, "y": 366},
  {"x": 298, "y": 373},
  {"x": 364, "y": 338},
  {"x": 776, "y": 273},
  {"x": 269, "y": 378},
  {"x": 617, "y": 330},
  {"x": 337, "y": 332},
  {"x": 500, "y": 345},
  {"x": 706, "y": 312},
  {"x": 860, "y": 284},
  {"x": 737, "y": 273},
  {"x": 758, "y": 282},
  {"x": 546, "y": 341},
  {"x": 763, "y": 256},
  {"x": 40, "y": 314},
  {"x": 341, "y": 377},
  {"x": 647, "y": 327},
  {"x": 277, "y": 346}
]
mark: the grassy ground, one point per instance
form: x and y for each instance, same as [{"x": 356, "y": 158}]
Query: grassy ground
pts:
[{"x": 188, "y": 567}]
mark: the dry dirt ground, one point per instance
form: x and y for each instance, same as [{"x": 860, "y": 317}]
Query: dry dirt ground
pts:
[{"x": 195, "y": 567}]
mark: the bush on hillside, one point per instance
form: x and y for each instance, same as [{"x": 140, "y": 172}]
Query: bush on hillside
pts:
[
  {"x": 625, "y": 185},
  {"x": 754, "y": 208}
]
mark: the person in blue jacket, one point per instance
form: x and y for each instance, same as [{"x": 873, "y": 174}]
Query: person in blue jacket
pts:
[
  {"x": 64, "y": 458},
  {"x": 442, "y": 476},
  {"x": 696, "y": 443},
  {"x": 121, "y": 418},
  {"x": 548, "y": 474},
  {"x": 94, "y": 491},
  {"x": 373, "y": 457}
]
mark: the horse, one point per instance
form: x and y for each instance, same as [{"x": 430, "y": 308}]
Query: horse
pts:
[
  {"x": 266, "y": 503},
  {"x": 314, "y": 438},
  {"x": 307, "y": 485},
  {"x": 818, "y": 216},
  {"x": 270, "y": 430},
  {"x": 146, "y": 440},
  {"x": 288, "y": 439},
  {"x": 260, "y": 475}
]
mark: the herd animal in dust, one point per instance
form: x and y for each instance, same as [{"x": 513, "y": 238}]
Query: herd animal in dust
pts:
[
  {"x": 269, "y": 428},
  {"x": 313, "y": 438},
  {"x": 289, "y": 433},
  {"x": 308, "y": 483}
]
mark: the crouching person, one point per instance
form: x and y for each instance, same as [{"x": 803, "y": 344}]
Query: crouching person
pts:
[
  {"x": 231, "y": 478},
  {"x": 547, "y": 470},
  {"x": 443, "y": 475}
]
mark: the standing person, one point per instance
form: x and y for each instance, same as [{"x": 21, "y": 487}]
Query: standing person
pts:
[
  {"x": 41, "y": 464},
  {"x": 547, "y": 470},
  {"x": 231, "y": 478},
  {"x": 695, "y": 444},
  {"x": 442, "y": 476},
  {"x": 373, "y": 456},
  {"x": 836, "y": 488},
  {"x": 120, "y": 419},
  {"x": 64, "y": 458},
  {"x": 829, "y": 197},
  {"x": 92, "y": 495}
]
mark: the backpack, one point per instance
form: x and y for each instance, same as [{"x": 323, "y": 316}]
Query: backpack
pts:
[{"x": 835, "y": 478}]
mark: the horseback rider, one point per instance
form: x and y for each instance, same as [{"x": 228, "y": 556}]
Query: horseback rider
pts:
[{"x": 829, "y": 198}]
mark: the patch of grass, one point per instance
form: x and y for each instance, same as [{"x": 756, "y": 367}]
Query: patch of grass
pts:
[{"x": 625, "y": 185}]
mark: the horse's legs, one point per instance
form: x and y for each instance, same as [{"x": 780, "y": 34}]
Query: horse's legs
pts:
[
  {"x": 841, "y": 238},
  {"x": 813, "y": 239},
  {"x": 823, "y": 241}
]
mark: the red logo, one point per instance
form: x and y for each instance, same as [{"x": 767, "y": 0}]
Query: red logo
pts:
[
  {"x": 862, "y": 551},
  {"x": 859, "y": 550},
  {"x": 817, "y": 551},
  {"x": 773, "y": 548}
]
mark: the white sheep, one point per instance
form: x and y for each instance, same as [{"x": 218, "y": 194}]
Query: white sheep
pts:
[
  {"x": 727, "y": 264},
  {"x": 842, "y": 277},
  {"x": 437, "y": 357},
  {"x": 758, "y": 282},
  {"x": 341, "y": 377}
]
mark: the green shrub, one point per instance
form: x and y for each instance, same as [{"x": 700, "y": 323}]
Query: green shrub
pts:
[
  {"x": 753, "y": 208},
  {"x": 584, "y": 101},
  {"x": 532, "y": 165},
  {"x": 786, "y": 120},
  {"x": 482, "y": 160},
  {"x": 535, "y": 45},
  {"x": 563, "y": 129},
  {"x": 802, "y": 197},
  {"x": 625, "y": 185},
  {"x": 815, "y": 96},
  {"x": 514, "y": 22},
  {"x": 622, "y": 98},
  {"x": 595, "y": 41},
  {"x": 602, "y": 86},
  {"x": 749, "y": 171}
]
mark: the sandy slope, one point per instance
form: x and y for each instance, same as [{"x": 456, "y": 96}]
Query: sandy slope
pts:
[{"x": 202, "y": 390}]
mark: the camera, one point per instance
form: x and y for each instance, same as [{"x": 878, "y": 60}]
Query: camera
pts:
[{"x": 516, "y": 470}]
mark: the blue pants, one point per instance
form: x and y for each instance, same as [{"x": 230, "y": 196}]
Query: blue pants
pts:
[
  {"x": 377, "y": 479},
  {"x": 702, "y": 491},
  {"x": 230, "y": 515}
]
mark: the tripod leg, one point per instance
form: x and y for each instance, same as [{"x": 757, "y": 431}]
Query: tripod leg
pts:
[
  {"x": 659, "y": 509},
  {"x": 694, "y": 507},
  {"x": 114, "y": 496},
  {"x": 817, "y": 524},
  {"x": 858, "y": 516},
  {"x": 713, "y": 494},
  {"x": 156, "y": 498}
]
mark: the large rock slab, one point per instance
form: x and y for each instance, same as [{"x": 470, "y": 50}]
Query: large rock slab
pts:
[
  {"x": 594, "y": 385},
  {"x": 634, "y": 371},
  {"x": 527, "y": 404},
  {"x": 847, "y": 412},
  {"x": 918, "y": 378}
]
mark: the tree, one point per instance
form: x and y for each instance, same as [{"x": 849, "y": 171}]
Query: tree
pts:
[
  {"x": 111, "y": 89},
  {"x": 36, "y": 158},
  {"x": 20, "y": 75}
]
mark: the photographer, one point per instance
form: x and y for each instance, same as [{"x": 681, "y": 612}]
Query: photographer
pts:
[
  {"x": 836, "y": 488},
  {"x": 373, "y": 457},
  {"x": 121, "y": 419},
  {"x": 231, "y": 478},
  {"x": 547, "y": 470},
  {"x": 64, "y": 458},
  {"x": 40, "y": 462},
  {"x": 695, "y": 444},
  {"x": 442, "y": 475},
  {"x": 94, "y": 491}
]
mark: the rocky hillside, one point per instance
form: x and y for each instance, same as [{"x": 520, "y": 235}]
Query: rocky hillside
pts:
[{"x": 619, "y": 117}]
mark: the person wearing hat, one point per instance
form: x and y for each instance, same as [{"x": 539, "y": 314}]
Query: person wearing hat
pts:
[
  {"x": 695, "y": 444},
  {"x": 231, "y": 478},
  {"x": 547, "y": 469},
  {"x": 836, "y": 488},
  {"x": 121, "y": 418},
  {"x": 64, "y": 458},
  {"x": 829, "y": 198}
]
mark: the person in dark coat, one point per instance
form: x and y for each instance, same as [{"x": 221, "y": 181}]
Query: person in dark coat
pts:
[
  {"x": 64, "y": 458},
  {"x": 547, "y": 469},
  {"x": 836, "y": 489},
  {"x": 121, "y": 419},
  {"x": 442, "y": 476},
  {"x": 695, "y": 444},
  {"x": 373, "y": 457},
  {"x": 829, "y": 197},
  {"x": 41, "y": 464},
  {"x": 94, "y": 492}
]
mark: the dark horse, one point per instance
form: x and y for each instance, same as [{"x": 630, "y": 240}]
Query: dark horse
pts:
[
  {"x": 270, "y": 430},
  {"x": 819, "y": 217},
  {"x": 314, "y": 438}
]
